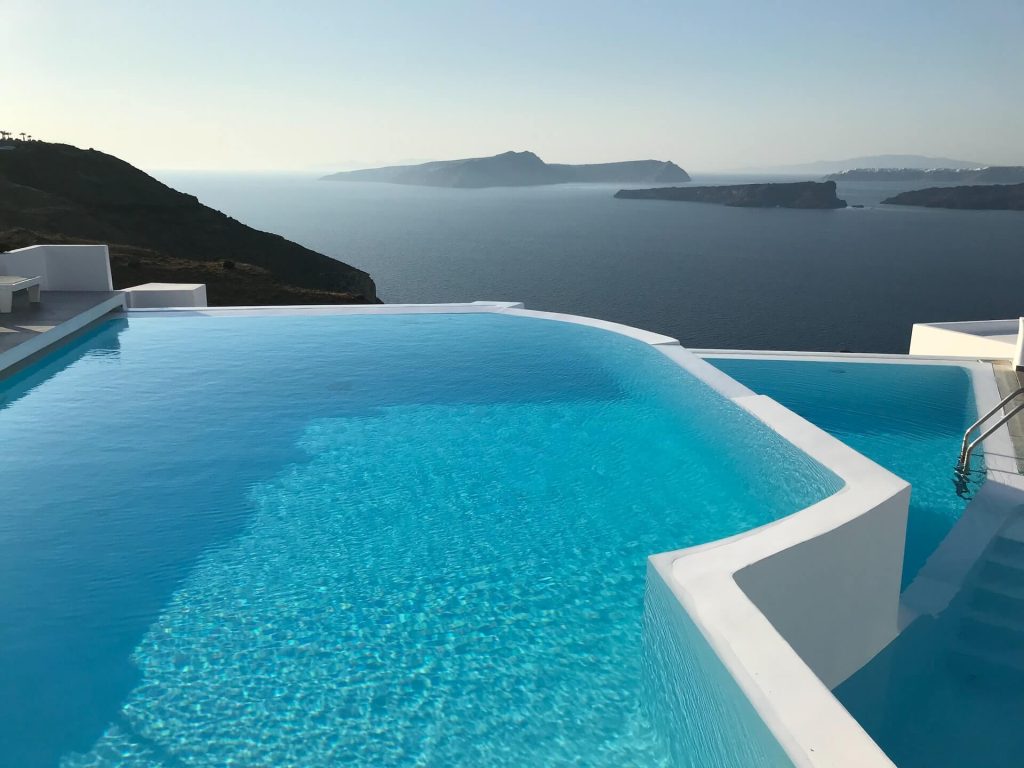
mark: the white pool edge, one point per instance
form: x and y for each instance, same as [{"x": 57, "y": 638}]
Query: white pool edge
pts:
[
  {"x": 794, "y": 702},
  {"x": 57, "y": 335}
]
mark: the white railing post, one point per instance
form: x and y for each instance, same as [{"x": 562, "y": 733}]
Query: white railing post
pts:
[{"x": 1018, "y": 352}]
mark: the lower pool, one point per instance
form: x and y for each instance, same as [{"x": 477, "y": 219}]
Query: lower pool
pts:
[
  {"x": 369, "y": 539},
  {"x": 908, "y": 418}
]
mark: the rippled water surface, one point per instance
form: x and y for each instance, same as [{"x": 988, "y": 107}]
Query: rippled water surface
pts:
[{"x": 377, "y": 540}]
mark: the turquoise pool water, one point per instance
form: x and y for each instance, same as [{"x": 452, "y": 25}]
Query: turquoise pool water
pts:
[
  {"x": 376, "y": 540},
  {"x": 949, "y": 691},
  {"x": 908, "y": 418}
]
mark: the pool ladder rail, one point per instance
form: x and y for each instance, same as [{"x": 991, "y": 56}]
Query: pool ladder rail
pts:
[{"x": 966, "y": 448}]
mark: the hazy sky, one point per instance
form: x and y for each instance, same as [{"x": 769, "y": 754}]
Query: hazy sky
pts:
[{"x": 260, "y": 84}]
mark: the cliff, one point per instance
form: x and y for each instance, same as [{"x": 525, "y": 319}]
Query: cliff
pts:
[
  {"x": 996, "y": 174},
  {"x": 61, "y": 194},
  {"x": 630, "y": 172},
  {"x": 515, "y": 169},
  {"x": 985, "y": 197},
  {"x": 801, "y": 194}
]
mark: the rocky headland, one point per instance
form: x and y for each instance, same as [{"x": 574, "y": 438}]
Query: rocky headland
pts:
[
  {"x": 799, "y": 194},
  {"x": 983, "y": 197},
  {"x": 516, "y": 169}
]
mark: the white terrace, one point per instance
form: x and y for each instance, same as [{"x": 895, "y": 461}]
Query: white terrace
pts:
[{"x": 74, "y": 288}]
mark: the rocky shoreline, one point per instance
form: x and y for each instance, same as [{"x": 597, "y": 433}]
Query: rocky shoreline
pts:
[
  {"x": 983, "y": 197},
  {"x": 799, "y": 194}
]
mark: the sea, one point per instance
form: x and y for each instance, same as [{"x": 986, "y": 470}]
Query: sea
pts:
[{"x": 853, "y": 279}]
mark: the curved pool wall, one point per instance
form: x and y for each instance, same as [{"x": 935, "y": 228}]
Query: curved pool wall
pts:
[
  {"x": 782, "y": 640},
  {"x": 937, "y": 562},
  {"x": 908, "y": 418}
]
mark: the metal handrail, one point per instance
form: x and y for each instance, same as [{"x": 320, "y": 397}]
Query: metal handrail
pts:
[{"x": 965, "y": 449}]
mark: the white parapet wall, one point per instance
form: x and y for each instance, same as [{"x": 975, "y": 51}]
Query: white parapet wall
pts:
[
  {"x": 979, "y": 339},
  {"x": 795, "y": 607},
  {"x": 61, "y": 267},
  {"x": 165, "y": 295}
]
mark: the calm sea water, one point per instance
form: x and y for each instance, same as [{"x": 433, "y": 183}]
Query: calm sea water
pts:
[{"x": 709, "y": 275}]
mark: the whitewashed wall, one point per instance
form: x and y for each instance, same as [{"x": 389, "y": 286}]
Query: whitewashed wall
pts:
[
  {"x": 62, "y": 267},
  {"x": 162, "y": 295},
  {"x": 986, "y": 339},
  {"x": 835, "y": 596}
]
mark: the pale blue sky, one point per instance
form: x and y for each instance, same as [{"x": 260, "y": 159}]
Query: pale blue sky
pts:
[{"x": 255, "y": 84}]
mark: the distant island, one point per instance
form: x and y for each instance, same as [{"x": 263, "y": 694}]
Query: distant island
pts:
[
  {"x": 985, "y": 197},
  {"x": 516, "y": 169},
  {"x": 821, "y": 167},
  {"x": 799, "y": 194},
  {"x": 56, "y": 193},
  {"x": 996, "y": 174}
]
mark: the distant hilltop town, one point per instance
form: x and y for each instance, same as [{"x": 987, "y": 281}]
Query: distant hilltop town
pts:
[{"x": 995, "y": 174}]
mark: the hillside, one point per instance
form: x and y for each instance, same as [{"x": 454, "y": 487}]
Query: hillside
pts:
[
  {"x": 516, "y": 169},
  {"x": 60, "y": 193}
]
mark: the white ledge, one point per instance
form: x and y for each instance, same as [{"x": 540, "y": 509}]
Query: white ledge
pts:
[{"x": 329, "y": 309}]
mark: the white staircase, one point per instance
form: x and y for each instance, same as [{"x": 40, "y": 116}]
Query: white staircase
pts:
[{"x": 990, "y": 638}]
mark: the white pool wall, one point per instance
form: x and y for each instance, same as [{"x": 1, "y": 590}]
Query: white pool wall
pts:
[
  {"x": 796, "y": 606},
  {"x": 942, "y": 576},
  {"x": 694, "y": 701},
  {"x": 62, "y": 267}
]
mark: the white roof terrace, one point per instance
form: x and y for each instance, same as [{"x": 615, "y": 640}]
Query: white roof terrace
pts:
[{"x": 978, "y": 339}]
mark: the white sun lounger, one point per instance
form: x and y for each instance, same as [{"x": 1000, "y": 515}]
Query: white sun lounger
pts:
[{"x": 10, "y": 284}]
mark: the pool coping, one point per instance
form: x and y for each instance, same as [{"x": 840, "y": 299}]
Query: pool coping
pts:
[
  {"x": 793, "y": 701},
  {"x": 59, "y": 334}
]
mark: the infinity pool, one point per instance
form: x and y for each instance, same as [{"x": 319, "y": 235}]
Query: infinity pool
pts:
[
  {"x": 367, "y": 539},
  {"x": 908, "y": 418}
]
